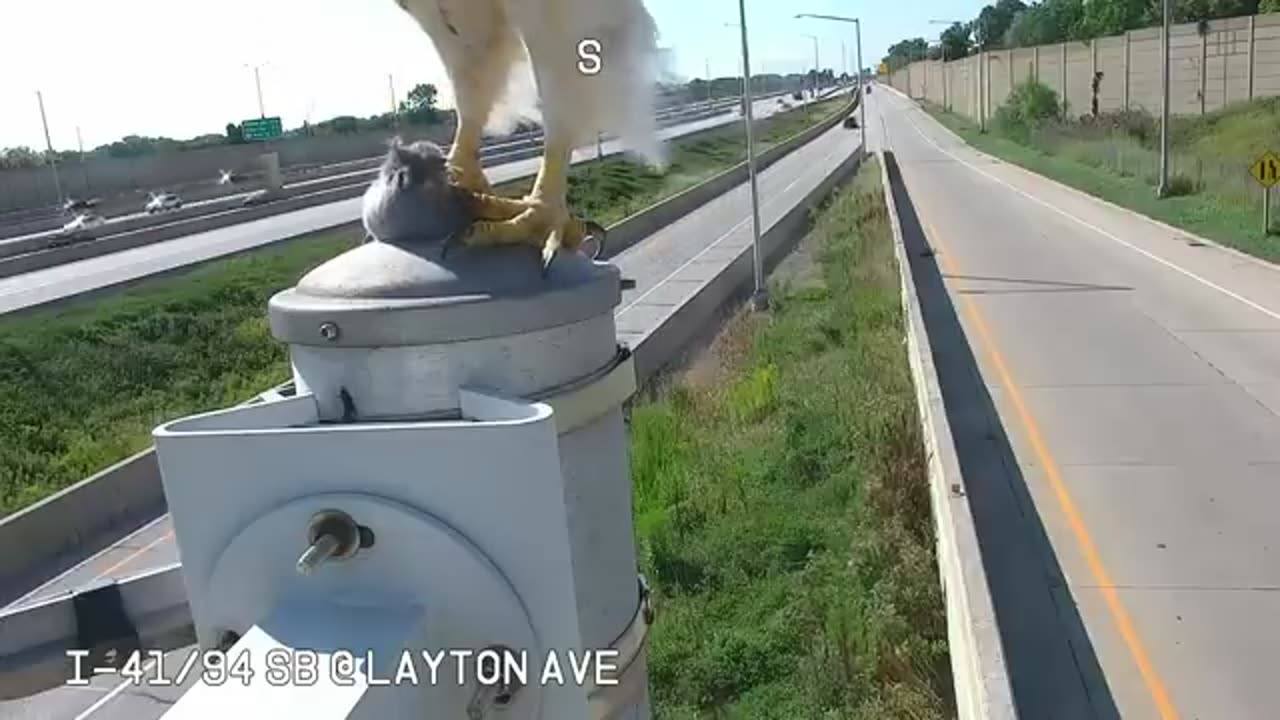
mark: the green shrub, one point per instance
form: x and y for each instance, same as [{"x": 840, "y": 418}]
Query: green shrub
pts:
[
  {"x": 1028, "y": 107},
  {"x": 1180, "y": 184}
]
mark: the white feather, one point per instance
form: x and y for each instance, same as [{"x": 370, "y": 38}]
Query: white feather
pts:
[{"x": 518, "y": 59}]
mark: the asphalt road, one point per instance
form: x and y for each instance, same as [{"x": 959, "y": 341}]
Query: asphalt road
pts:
[
  {"x": 667, "y": 267},
  {"x": 1114, "y": 387},
  {"x": 54, "y": 283}
]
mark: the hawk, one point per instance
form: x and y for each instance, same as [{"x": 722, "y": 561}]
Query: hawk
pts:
[{"x": 487, "y": 48}]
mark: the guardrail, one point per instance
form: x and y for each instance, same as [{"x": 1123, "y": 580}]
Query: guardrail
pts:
[
  {"x": 55, "y": 533},
  {"x": 980, "y": 675},
  {"x": 51, "y": 220}
]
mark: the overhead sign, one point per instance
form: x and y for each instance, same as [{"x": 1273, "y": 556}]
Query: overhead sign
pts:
[
  {"x": 261, "y": 129},
  {"x": 1266, "y": 170}
]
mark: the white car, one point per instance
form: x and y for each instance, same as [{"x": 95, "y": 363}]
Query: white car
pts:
[
  {"x": 83, "y": 226},
  {"x": 163, "y": 202}
]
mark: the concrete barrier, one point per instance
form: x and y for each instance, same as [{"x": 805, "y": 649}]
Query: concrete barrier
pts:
[
  {"x": 979, "y": 673},
  {"x": 645, "y": 223},
  {"x": 57, "y": 532},
  {"x": 666, "y": 344}
]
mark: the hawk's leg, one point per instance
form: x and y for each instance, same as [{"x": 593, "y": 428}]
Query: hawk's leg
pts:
[
  {"x": 465, "y": 172},
  {"x": 464, "y": 158},
  {"x": 546, "y": 222}
]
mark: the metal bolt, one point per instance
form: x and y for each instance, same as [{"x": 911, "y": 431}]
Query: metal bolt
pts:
[
  {"x": 329, "y": 331},
  {"x": 331, "y": 535},
  {"x": 322, "y": 549}
]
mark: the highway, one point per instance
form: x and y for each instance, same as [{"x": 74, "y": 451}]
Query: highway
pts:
[
  {"x": 1114, "y": 391},
  {"x": 54, "y": 283},
  {"x": 667, "y": 268},
  {"x": 299, "y": 177},
  {"x": 297, "y": 181}
]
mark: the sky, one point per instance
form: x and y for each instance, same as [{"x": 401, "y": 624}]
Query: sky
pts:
[{"x": 182, "y": 68}]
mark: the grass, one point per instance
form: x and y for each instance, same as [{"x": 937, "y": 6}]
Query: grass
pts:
[
  {"x": 85, "y": 383},
  {"x": 1116, "y": 158},
  {"x": 782, "y": 505}
]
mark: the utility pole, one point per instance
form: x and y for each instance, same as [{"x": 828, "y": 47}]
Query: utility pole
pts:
[
  {"x": 1163, "y": 189},
  {"x": 53, "y": 160},
  {"x": 760, "y": 297}
]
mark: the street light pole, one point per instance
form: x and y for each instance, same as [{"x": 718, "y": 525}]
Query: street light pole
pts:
[
  {"x": 395, "y": 111},
  {"x": 53, "y": 160},
  {"x": 942, "y": 44},
  {"x": 707, "y": 64},
  {"x": 257, "y": 83},
  {"x": 862, "y": 105},
  {"x": 814, "y": 38},
  {"x": 760, "y": 297},
  {"x": 862, "y": 92},
  {"x": 84, "y": 173},
  {"x": 1163, "y": 189}
]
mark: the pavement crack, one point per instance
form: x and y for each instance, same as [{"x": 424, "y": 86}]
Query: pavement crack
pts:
[{"x": 1182, "y": 341}]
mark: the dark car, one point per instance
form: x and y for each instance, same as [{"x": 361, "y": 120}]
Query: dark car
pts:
[{"x": 79, "y": 204}]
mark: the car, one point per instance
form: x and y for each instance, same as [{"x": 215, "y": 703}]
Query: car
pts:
[
  {"x": 74, "y": 204},
  {"x": 868, "y": 89},
  {"x": 83, "y": 227},
  {"x": 851, "y": 122},
  {"x": 162, "y": 202},
  {"x": 797, "y": 96},
  {"x": 260, "y": 197}
]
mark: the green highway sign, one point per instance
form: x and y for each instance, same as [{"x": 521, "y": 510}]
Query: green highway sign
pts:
[{"x": 261, "y": 129}]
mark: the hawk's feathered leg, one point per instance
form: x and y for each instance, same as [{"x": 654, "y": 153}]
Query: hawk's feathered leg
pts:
[{"x": 545, "y": 221}]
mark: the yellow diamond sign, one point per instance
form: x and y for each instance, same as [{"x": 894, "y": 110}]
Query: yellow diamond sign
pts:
[{"x": 1266, "y": 170}]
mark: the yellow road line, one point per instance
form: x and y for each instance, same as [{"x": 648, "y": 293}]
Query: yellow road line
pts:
[
  {"x": 132, "y": 556},
  {"x": 1065, "y": 503}
]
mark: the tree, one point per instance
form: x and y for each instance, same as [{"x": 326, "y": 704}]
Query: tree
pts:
[
  {"x": 1196, "y": 10},
  {"x": 1269, "y": 6},
  {"x": 235, "y": 135},
  {"x": 1050, "y": 21},
  {"x": 906, "y": 52},
  {"x": 20, "y": 157},
  {"x": 957, "y": 40},
  {"x": 1112, "y": 17},
  {"x": 994, "y": 22},
  {"x": 420, "y": 105}
]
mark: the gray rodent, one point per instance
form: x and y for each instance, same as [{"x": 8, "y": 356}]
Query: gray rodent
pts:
[{"x": 411, "y": 200}]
